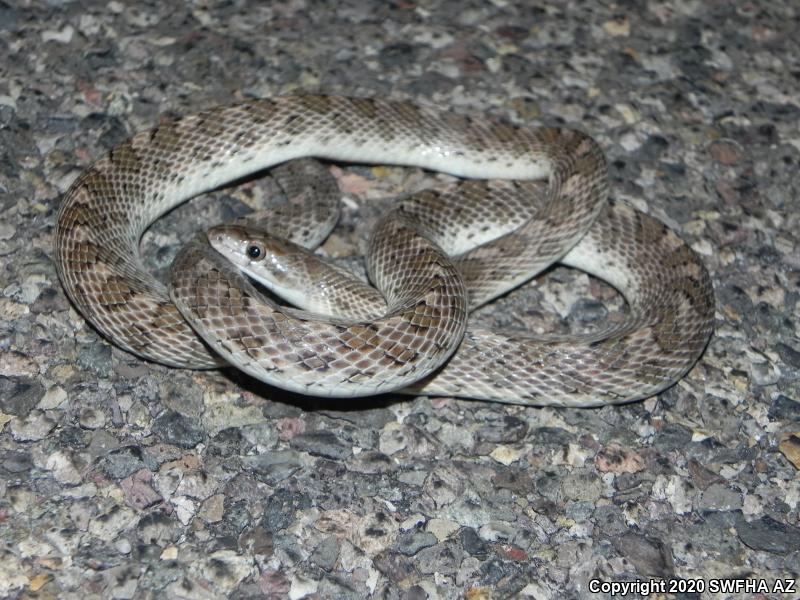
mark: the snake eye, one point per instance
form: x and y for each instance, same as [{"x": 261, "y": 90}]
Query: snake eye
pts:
[{"x": 255, "y": 251}]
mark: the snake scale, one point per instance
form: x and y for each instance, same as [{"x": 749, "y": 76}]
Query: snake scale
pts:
[{"x": 431, "y": 270}]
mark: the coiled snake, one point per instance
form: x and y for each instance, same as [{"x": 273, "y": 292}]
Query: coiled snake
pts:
[{"x": 499, "y": 234}]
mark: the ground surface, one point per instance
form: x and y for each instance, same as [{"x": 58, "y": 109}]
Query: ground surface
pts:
[{"x": 129, "y": 480}]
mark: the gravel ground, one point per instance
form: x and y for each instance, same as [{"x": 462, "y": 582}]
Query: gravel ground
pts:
[{"x": 122, "y": 479}]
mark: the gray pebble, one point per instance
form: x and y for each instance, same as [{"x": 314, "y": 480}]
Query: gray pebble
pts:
[
  {"x": 472, "y": 543},
  {"x": 178, "y": 430},
  {"x": 326, "y": 553},
  {"x": 650, "y": 557},
  {"x": 588, "y": 311},
  {"x": 789, "y": 355},
  {"x": 19, "y": 395},
  {"x": 413, "y": 541},
  {"x": 768, "y": 535},
  {"x": 672, "y": 436},
  {"x": 321, "y": 443},
  {"x": 784, "y": 408},
  {"x": 280, "y": 508},
  {"x": 120, "y": 463}
]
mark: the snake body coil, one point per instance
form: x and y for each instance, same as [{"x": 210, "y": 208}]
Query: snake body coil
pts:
[{"x": 109, "y": 207}]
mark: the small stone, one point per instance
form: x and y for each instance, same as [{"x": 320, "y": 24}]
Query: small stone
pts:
[
  {"x": 506, "y": 455},
  {"x": 185, "y": 508},
  {"x": 302, "y": 587},
  {"x": 19, "y": 395},
  {"x": 784, "y": 408},
  {"x": 38, "y": 581},
  {"x": 122, "y": 462},
  {"x": 16, "y": 461},
  {"x": 790, "y": 448},
  {"x": 157, "y": 529},
  {"x": 123, "y": 546},
  {"x": 280, "y": 508},
  {"x": 33, "y": 427},
  {"x": 619, "y": 27},
  {"x": 273, "y": 583},
  {"x": 273, "y": 467},
  {"x": 63, "y": 468},
  {"x": 442, "y": 528},
  {"x": 375, "y": 532},
  {"x": 169, "y": 553},
  {"x": 719, "y": 497},
  {"x": 178, "y": 430},
  {"x": 12, "y": 574},
  {"x": 516, "y": 480},
  {"x": 672, "y": 437},
  {"x": 213, "y": 509},
  {"x": 701, "y": 476},
  {"x": 674, "y": 490},
  {"x": 472, "y": 543},
  {"x": 579, "y": 511},
  {"x": 411, "y": 522},
  {"x": 63, "y": 36},
  {"x": 789, "y": 355},
  {"x": 326, "y": 553},
  {"x": 726, "y": 152},
  {"x": 412, "y": 542},
  {"x": 7, "y": 231},
  {"x": 110, "y": 525},
  {"x": 91, "y": 418},
  {"x": 392, "y": 438},
  {"x": 197, "y": 485},
  {"x": 587, "y": 311},
  {"x": 581, "y": 486},
  {"x": 650, "y": 556},
  {"x": 616, "y": 459},
  {"x": 138, "y": 490},
  {"x": 53, "y": 398},
  {"x": 228, "y": 569},
  {"x": 508, "y": 431},
  {"x": 260, "y": 434},
  {"x": 256, "y": 541},
  {"x": 495, "y": 531},
  {"x": 768, "y": 535},
  {"x": 321, "y": 443},
  {"x": 4, "y": 418}
]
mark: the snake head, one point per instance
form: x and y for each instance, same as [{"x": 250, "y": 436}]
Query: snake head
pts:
[
  {"x": 272, "y": 261},
  {"x": 245, "y": 246}
]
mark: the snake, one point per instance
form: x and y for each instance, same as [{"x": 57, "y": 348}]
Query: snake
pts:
[{"x": 530, "y": 197}]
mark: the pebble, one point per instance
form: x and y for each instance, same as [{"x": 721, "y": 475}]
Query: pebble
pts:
[
  {"x": 179, "y": 430},
  {"x": 213, "y": 509},
  {"x": 91, "y": 418},
  {"x": 302, "y": 586},
  {"x": 63, "y": 468},
  {"x": 784, "y": 408},
  {"x": 649, "y": 556},
  {"x": 442, "y": 528},
  {"x": 768, "y": 535},
  {"x": 35, "y": 426},
  {"x": 411, "y": 542},
  {"x": 19, "y": 395},
  {"x": 790, "y": 448},
  {"x": 321, "y": 443},
  {"x": 616, "y": 459},
  {"x": 392, "y": 438},
  {"x": 506, "y": 455},
  {"x": 326, "y": 553}
]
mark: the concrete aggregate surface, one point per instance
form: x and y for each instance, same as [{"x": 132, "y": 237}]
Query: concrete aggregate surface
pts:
[{"x": 123, "y": 479}]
